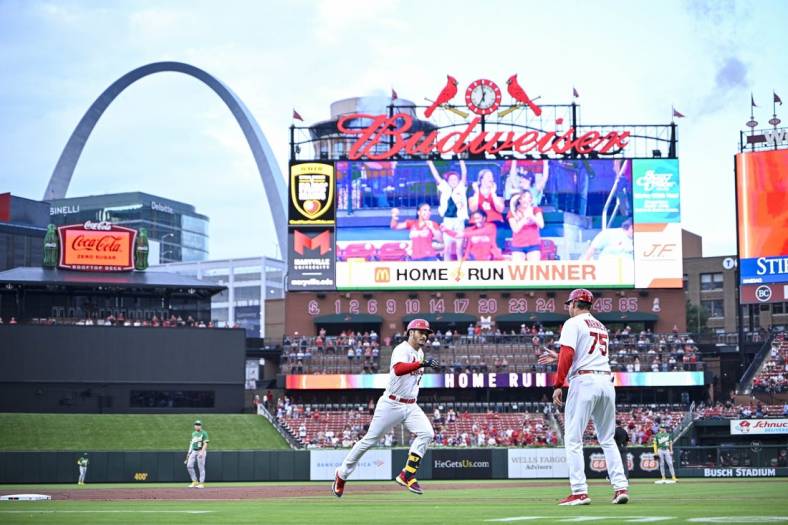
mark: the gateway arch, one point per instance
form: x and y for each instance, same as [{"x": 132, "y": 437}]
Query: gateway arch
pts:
[{"x": 273, "y": 183}]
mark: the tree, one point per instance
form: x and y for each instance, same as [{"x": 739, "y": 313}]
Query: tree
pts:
[{"x": 696, "y": 318}]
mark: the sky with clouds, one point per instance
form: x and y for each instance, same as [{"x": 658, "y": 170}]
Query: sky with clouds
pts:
[{"x": 170, "y": 135}]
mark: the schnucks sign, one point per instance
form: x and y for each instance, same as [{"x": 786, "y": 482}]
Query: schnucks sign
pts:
[
  {"x": 387, "y": 136},
  {"x": 97, "y": 246},
  {"x": 741, "y": 427}
]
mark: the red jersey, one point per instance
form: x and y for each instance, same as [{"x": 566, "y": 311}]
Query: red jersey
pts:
[
  {"x": 480, "y": 242},
  {"x": 421, "y": 237},
  {"x": 528, "y": 234},
  {"x": 486, "y": 203}
]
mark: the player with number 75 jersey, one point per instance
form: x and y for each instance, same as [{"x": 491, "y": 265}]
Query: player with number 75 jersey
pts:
[{"x": 583, "y": 366}]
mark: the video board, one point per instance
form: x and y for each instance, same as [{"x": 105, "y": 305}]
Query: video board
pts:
[
  {"x": 762, "y": 224},
  {"x": 500, "y": 224}
]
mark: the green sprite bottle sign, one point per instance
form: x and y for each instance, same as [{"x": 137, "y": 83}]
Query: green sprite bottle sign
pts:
[
  {"x": 141, "y": 250},
  {"x": 51, "y": 247}
]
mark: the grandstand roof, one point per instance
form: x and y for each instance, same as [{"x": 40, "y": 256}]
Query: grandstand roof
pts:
[{"x": 35, "y": 276}]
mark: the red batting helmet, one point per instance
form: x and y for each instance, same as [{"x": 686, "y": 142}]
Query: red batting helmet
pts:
[
  {"x": 419, "y": 324},
  {"x": 580, "y": 294}
]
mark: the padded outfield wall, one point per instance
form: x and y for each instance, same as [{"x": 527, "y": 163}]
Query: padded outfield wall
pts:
[{"x": 319, "y": 465}]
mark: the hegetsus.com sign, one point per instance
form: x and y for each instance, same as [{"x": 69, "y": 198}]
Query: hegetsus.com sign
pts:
[{"x": 461, "y": 464}]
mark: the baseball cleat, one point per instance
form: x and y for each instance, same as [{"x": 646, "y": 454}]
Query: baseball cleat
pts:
[
  {"x": 410, "y": 484},
  {"x": 620, "y": 497},
  {"x": 194, "y": 484},
  {"x": 576, "y": 499},
  {"x": 338, "y": 486}
]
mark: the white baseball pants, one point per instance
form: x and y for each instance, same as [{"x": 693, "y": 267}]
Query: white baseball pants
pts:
[
  {"x": 389, "y": 413},
  {"x": 195, "y": 455},
  {"x": 666, "y": 457},
  {"x": 82, "y": 472},
  {"x": 592, "y": 396}
]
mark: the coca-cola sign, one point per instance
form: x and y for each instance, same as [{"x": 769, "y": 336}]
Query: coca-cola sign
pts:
[
  {"x": 386, "y": 137},
  {"x": 97, "y": 246}
]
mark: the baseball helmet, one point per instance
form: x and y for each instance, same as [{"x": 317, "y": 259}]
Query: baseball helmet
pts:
[
  {"x": 580, "y": 294},
  {"x": 419, "y": 324}
]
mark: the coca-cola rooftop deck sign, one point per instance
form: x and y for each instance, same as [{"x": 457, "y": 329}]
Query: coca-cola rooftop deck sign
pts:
[{"x": 97, "y": 246}]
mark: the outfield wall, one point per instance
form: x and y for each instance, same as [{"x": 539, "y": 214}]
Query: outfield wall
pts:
[{"x": 317, "y": 465}]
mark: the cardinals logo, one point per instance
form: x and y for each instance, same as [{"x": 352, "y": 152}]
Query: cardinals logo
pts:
[
  {"x": 597, "y": 463},
  {"x": 648, "y": 463},
  {"x": 518, "y": 94},
  {"x": 311, "y": 193},
  {"x": 448, "y": 92}
]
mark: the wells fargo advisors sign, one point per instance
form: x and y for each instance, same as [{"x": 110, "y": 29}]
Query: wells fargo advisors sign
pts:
[{"x": 97, "y": 246}]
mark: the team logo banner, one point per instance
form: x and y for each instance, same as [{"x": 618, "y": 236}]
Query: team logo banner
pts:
[
  {"x": 741, "y": 427},
  {"x": 312, "y": 193}
]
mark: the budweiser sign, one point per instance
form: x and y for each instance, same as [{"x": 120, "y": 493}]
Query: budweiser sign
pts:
[
  {"x": 97, "y": 246},
  {"x": 387, "y": 136}
]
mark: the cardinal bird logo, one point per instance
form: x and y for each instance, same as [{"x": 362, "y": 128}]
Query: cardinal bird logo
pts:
[
  {"x": 447, "y": 93},
  {"x": 518, "y": 93}
]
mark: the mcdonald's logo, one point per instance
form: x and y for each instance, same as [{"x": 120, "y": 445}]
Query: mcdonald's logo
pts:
[
  {"x": 302, "y": 242},
  {"x": 382, "y": 275}
]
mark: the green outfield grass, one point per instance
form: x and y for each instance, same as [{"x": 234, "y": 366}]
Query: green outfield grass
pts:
[
  {"x": 689, "y": 501},
  {"x": 126, "y": 432}
]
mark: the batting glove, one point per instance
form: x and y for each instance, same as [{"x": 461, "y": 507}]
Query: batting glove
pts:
[{"x": 431, "y": 363}]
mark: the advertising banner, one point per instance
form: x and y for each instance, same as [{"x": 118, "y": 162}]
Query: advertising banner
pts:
[
  {"x": 658, "y": 256},
  {"x": 462, "y": 464},
  {"x": 642, "y": 463},
  {"x": 375, "y": 464},
  {"x": 311, "y": 194},
  {"x": 656, "y": 198},
  {"x": 737, "y": 472},
  {"x": 483, "y": 380},
  {"x": 97, "y": 246},
  {"x": 763, "y": 293},
  {"x": 741, "y": 427},
  {"x": 761, "y": 194},
  {"x": 311, "y": 259},
  {"x": 537, "y": 463}
]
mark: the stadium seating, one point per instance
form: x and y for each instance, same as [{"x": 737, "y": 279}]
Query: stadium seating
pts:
[
  {"x": 486, "y": 352},
  {"x": 772, "y": 376},
  {"x": 731, "y": 411},
  {"x": 472, "y": 424}
]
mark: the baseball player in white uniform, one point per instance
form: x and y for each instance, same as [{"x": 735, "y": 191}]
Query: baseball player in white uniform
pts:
[
  {"x": 396, "y": 406},
  {"x": 584, "y": 361}
]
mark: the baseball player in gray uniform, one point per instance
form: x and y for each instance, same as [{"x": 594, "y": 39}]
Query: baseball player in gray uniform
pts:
[
  {"x": 396, "y": 406},
  {"x": 198, "y": 449}
]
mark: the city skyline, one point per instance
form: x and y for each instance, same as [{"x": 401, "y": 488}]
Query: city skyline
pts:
[{"x": 58, "y": 57}]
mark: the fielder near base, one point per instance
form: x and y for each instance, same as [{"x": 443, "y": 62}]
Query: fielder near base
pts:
[
  {"x": 398, "y": 406},
  {"x": 663, "y": 446},
  {"x": 584, "y": 360},
  {"x": 198, "y": 448}
]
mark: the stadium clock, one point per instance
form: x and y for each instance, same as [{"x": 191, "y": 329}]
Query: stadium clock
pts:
[{"x": 483, "y": 96}]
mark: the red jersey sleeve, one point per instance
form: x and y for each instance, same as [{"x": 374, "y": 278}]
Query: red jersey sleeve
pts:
[
  {"x": 565, "y": 358},
  {"x": 400, "y": 369}
]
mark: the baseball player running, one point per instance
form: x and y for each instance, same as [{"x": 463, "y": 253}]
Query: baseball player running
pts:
[
  {"x": 583, "y": 359},
  {"x": 663, "y": 446},
  {"x": 396, "y": 406},
  {"x": 198, "y": 448},
  {"x": 83, "y": 468}
]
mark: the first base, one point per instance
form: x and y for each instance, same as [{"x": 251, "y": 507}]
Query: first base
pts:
[{"x": 25, "y": 497}]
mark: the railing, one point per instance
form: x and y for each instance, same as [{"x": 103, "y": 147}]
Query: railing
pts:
[
  {"x": 291, "y": 440},
  {"x": 745, "y": 383}
]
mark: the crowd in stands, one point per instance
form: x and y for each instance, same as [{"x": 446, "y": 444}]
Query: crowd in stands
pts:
[
  {"x": 640, "y": 422},
  {"x": 772, "y": 376},
  {"x": 482, "y": 349},
  {"x": 730, "y": 410},
  {"x": 167, "y": 322}
]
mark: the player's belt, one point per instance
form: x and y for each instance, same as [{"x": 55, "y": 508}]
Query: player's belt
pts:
[
  {"x": 401, "y": 399},
  {"x": 584, "y": 372}
]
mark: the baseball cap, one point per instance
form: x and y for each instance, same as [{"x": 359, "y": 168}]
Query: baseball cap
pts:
[{"x": 198, "y": 422}]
